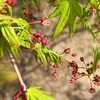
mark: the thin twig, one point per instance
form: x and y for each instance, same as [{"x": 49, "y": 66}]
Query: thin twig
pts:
[
  {"x": 36, "y": 22},
  {"x": 17, "y": 70}
]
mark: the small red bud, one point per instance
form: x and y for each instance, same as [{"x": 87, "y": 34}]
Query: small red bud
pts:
[
  {"x": 4, "y": 7},
  {"x": 55, "y": 66},
  {"x": 92, "y": 90},
  {"x": 43, "y": 18},
  {"x": 91, "y": 62},
  {"x": 73, "y": 80},
  {"x": 55, "y": 74},
  {"x": 3, "y": 12},
  {"x": 74, "y": 54},
  {"x": 82, "y": 58},
  {"x": 25, "y": 12},
  {"x": 11, "y": 2},
  {"x": 45, "y": 41},
  {"x": 87, "y": 64}
]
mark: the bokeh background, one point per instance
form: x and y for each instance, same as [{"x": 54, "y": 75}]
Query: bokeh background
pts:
[{"x": 34, "y": 73}]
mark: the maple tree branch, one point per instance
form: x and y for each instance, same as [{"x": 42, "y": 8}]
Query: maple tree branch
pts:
[{"x": 17, "y": 70}]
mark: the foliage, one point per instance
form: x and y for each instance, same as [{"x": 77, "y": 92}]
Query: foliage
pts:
[
  {"x": 35, "y": 93},
  {"x": 17, "y": 33},
  {"x": 41, "y": 52},
  {"x": 68, "y": 10}
]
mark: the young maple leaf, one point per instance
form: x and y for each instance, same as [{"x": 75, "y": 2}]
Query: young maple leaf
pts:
[
  {"x": 68, "y": 10},
  {"x": 35, "y": 93}
]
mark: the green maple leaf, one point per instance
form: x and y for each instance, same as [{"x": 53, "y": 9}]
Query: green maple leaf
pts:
[
  {"x": 34, "y": 93},
  {"x": 68, "y": 11},
  {"x": 41, "y": 52}
]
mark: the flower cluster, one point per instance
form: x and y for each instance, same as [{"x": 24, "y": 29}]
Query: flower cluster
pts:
[
  {"x": 4, "y": 8},
  {"x": 54, "y": 73},
  {"x": 96, "y": 80},
  {"x": 45, "y": 21},
  {"x": 38, "y": 37},
  {"x": 87, "y": 71}
]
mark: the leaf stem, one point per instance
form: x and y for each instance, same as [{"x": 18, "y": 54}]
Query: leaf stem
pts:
[{"x": 17, "y": 70}]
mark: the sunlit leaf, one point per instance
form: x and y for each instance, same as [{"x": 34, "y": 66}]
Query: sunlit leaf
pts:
[
  {"x": 42, "y": 53},
  {"x": 5, "y": 17},
  {"x": 23, "y": 24},
  {"x": 3, "y": 47},
  {"x": 35, "y": 93},
  {"x": 9, "y": 33},
  {"x": 68, "y": 10}
]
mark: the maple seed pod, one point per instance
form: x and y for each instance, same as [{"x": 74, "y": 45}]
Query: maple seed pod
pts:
[{"x": 45, "y": 41}]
